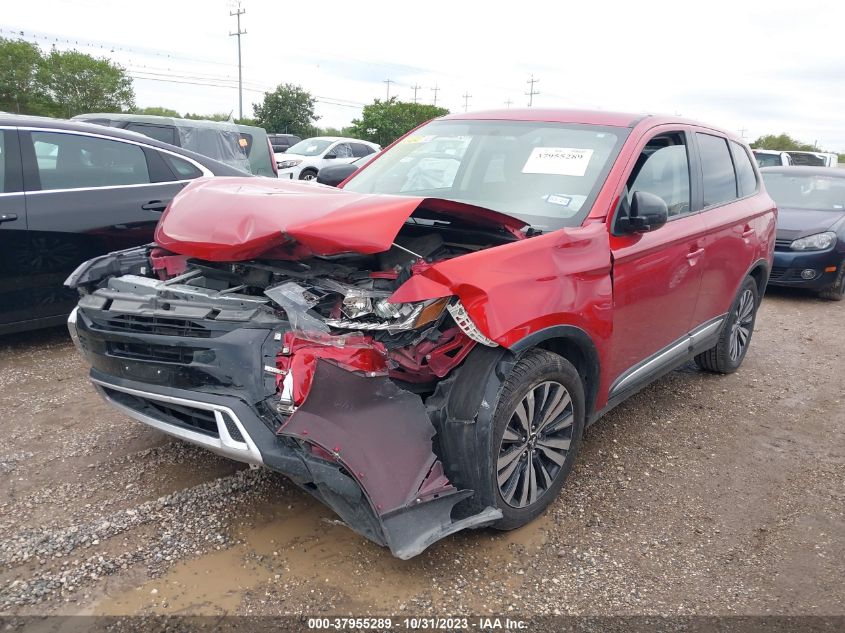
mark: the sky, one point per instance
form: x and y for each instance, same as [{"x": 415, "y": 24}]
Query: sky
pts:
[{"x": 754, "y": 67}]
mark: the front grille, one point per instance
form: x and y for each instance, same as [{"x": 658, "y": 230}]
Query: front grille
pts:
[
  {"x": 157, "y": 353},
  {"x": 783, "y": 245},
  {"x": 777, "y": 272},
  {"x": 159, "y": 325},
  {"x": 199, "y": 420}
]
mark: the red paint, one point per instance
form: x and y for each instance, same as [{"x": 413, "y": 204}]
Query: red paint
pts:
[
  {"x": 167, "y": 265},
  {"x": 236, "y": 219}
]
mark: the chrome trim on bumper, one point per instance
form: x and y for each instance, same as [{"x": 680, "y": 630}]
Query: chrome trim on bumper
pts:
[
  {"x": 224, "y": 445},
  {"x": 71, "y": 328}
]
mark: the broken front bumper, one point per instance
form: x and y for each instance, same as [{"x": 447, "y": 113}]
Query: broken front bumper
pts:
[{"x": 358, "y": 443}]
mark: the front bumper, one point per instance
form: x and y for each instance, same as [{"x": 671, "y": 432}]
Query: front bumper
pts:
[
  {"x": 358, "y": 443},
  {"x": 290, "y": 173},
  {"x": 788, "y": 266}
]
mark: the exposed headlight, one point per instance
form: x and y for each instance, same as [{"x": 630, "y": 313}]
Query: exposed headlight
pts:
[
  {"x": 408, "y": 316},
  {"x": 817, "y": 242},
  {"x": 287, "y": 164}
]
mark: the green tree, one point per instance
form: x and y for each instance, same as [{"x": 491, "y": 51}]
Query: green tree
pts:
[
  {"x": 78, "y": 83},
  {"x": 158, "y": 111},
  {"x": 782, "y": 142},
  {"x": 383, "y": 122},
  {"x": 21, "y": 86},
  {"x": 217, "y": 116},
  {"x": 287, "y": 110}
]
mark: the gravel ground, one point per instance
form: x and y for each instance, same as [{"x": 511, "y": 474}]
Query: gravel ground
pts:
[{"x": 701, "y": 495}]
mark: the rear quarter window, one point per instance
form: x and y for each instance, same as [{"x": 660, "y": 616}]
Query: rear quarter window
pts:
[
  {"x": 746, "y": 178},
  {"x": 717, "y": 169}
]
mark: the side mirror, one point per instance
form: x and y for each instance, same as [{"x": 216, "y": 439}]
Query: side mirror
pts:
[
  {"x": 330, "y": 156},
  {"x": 648, "y": 212}
]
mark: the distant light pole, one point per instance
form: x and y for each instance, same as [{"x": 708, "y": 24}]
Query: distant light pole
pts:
[{"x": 238, "y": 13}]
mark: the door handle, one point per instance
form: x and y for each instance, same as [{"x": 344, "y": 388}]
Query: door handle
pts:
[
  {"x": 748, "y": 232},
  {"x": 695, "y": 254},
  {"x": 8, "y": 217},
  {"x": 154, "y": 205}
]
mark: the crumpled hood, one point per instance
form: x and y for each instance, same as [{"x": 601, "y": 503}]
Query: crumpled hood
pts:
[
  {"x": 236, "y": 219},
  {"x": 796, "y": 223}
]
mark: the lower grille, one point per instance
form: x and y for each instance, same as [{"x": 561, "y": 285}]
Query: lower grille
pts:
[
  {"x": 158, "y": 353},
  {"x": 786, "y": 274},
  {"x": 194, "y": 419},
  {"x": 159, "y": 325},
  {"x": 777, "y": 272},
  {"x": 782, "y": 245}
]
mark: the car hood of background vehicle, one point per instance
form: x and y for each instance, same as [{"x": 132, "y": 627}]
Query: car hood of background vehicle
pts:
[
  {"x": 796, "y": 223},
  {"x": 236, "y": 219}
]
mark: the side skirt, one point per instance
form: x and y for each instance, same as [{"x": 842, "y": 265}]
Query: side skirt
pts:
[{"x": 662, "y": 362}]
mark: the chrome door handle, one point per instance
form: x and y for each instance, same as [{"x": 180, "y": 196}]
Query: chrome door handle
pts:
[{"x": 695, "y": 254}]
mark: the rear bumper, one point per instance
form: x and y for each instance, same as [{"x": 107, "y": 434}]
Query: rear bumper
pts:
[
  {"x": 788, "y": 266},
  {"x": 358, "y": 443}
]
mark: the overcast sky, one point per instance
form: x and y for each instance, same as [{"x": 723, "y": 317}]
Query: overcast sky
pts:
[{"x": 755, "y": 67}]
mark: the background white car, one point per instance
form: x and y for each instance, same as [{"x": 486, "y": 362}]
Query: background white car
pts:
[{"x": 303, "y": 160}]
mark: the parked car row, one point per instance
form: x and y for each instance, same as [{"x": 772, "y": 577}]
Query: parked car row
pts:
[{"x": 305, "y": 159}]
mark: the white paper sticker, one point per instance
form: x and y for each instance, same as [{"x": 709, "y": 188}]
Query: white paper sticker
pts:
[
  {"x": 558, "y": 199},
  {"x": 561, "y": 161}
]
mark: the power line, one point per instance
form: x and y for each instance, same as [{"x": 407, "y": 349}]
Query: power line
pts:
[
  {"x": 532, "y": 92},
  {"x": 238, "y": 13}
]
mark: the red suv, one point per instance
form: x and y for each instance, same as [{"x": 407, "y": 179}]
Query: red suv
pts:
[{"x": 422, "y": 349}]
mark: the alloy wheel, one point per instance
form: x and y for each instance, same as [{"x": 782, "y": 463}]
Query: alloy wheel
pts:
[
  {"x": 741, "y": 328},
  {"x": 535, "y": 444}
]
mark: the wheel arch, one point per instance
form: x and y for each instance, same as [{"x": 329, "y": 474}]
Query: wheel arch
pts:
[
  {"x": 576, "y": 346},
  {"x": 759, "y": 271}
]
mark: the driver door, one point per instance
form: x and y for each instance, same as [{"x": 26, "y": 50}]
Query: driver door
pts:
[{"x": 656, "y": 275}]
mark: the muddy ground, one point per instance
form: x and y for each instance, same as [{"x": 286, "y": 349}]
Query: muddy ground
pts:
[{"x": 703, "y": 494}]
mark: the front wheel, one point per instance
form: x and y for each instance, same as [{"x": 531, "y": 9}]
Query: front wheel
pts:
[
  {"x": 727, "y": 355},
  {"x": 537, "y": 430},
  {"x": 308, "y": 174}
]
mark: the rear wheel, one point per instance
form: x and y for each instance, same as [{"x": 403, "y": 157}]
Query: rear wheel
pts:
[
  {"x": 727, "y": 355},
  {"x": 836, "y": 292},
  {"x": 308, "y": 174}
]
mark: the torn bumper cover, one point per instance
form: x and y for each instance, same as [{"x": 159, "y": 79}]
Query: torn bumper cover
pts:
[{"x": 356, "y": 441}]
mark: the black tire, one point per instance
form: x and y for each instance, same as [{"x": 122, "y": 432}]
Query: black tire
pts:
[
  {"x": 836, "y": 292},
  {"x": 308, "y": 174},
  {"x": 528, "y": 490},
  {"x": 727, "y": 355}
]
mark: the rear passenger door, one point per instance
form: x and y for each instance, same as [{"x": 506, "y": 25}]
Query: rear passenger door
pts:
[
  {"x": 86, "y": 195},
  {"x": 12, "y": 231},
  {"x": 728, "y": 180}
]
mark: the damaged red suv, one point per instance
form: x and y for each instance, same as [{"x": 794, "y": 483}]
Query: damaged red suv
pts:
[{"x": 422, "y": 348}]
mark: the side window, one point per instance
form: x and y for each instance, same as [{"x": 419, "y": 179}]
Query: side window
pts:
[
  {"x": 163, "y": 133},
  {"x": 2, "y": 161},
  {"x": 341, "y": 151},
  {"x": 663, "y": 170},
  {"x": 359, "y": 150},
  {"x": 182, "y": 168},
  {"x": 72, "y": 161},
  {"x": 717, "y": 169},
  {"x": 745, "y": 176}
]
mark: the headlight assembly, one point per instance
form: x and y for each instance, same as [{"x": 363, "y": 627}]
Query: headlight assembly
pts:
[
  {"x": 397, "y": 317},
  {"x": 817, "y": 242},
  {"x": 287, "y": 164}
]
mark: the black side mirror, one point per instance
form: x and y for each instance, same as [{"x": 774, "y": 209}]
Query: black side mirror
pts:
[
  {"x": 648, "y": 212},
  {"x": 330, "y": 156}
]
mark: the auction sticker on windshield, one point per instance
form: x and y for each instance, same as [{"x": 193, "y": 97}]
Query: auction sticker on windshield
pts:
[{"x": 560, "y": 161}]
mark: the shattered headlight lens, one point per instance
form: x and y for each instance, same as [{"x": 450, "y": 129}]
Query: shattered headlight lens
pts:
[
  {"x": 287, "y": 164},
  {"x": 396, "y": 317}
]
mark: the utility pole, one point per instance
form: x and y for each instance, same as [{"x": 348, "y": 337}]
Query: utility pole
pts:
[
  {"x": 435, "y": 90},
  {"x": 466, "y": 97},
  {"x": 238, "y": 13},
  {"x": 532, "y": 92},
  {"x": 388, "y": 81},
  {"x": 509, "y": 103},
  {"x": 416, "y": 87},
  {"x": 742, "y": 131}
]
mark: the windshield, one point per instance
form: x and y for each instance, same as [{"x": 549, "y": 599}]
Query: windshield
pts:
[
  {"x": 806, "y": 191},
  {"x": 546, "y": 174},
  {"x": 768, "y": 160},
  {"x": 309, "y": 147}
]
